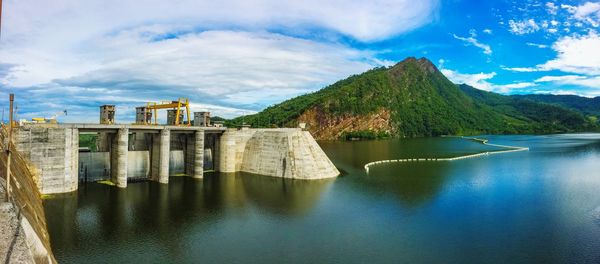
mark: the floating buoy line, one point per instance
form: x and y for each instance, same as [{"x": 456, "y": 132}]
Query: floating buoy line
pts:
[{"x": 482, "y": 141}]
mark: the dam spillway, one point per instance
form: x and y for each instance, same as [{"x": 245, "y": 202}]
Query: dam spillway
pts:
[{"x": 127, "y": 153}]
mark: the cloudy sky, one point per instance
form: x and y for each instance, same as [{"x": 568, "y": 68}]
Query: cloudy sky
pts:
[{"x": 234, "y": 57}]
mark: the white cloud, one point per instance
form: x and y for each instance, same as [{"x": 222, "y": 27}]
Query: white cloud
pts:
[
  {"x": 363, "y": 20},
  {"x": 477, "y": 80},
  {"x": 586, "y": 81},
  {"x": 133, "y": 51},
  {"x": 481, "y": 81},
  {"x": 587, "y": 9},
  {"x": 556, "y": 92},
  {"x": 487, "y": 31},
  {"x": 523, "y": 27},
  {"x": 515, "y": 85},
  {"x": 521, "y": 69},
  {"x": 541, "y": 46},
  {"x": 210, "y": 67},
  {"x": 588, "y": 12},
  {"x": 559, "y": 78},
  {"x": 576, "y": 54},
  {"x": 552, "y": 8},
  {"x": 507, "y": 88},
  {"x": 50, "y": 39},
  {"x": 590, "y": 83},
  {"x": 471, "y": 40}
]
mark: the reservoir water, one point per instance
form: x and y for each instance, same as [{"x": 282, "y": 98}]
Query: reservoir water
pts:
[{"x": 536, "y": 206}]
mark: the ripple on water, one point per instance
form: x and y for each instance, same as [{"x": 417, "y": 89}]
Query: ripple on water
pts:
[{"x": 596, "y": 215}]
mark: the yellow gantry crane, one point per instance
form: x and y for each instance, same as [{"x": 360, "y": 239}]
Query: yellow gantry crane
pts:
[{"x": 175, "y": 105}]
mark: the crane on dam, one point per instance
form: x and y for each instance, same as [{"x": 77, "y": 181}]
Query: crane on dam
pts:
[{"x": 178, "y": 107}]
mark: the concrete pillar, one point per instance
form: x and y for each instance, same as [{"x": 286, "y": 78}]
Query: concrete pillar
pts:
[
  {"x": 74, "y": 160},
  {"x": 227, "y": 152},
  {"x": 165, "y": 148},
  {"x": 216, "y": 152},
  {"x": 103, "y": 142},
  {"x": 119, "y": 166},
  {"x": 198, "y": 155}
]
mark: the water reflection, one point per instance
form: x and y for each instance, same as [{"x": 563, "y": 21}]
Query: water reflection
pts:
[
  {"x": 104, "y": 214},
  {"x": 539, "y": 206},
  {"x": 414, "y": 184},
  {"x": 283, "y": 196}
]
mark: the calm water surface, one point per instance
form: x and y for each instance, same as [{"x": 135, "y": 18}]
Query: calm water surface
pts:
[{"x": 538, "y": 206}]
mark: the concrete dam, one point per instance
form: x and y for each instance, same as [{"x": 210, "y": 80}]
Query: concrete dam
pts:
[{"x": 128, "y": 153}]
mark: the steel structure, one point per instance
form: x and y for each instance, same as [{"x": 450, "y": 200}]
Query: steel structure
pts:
[{"x": 176, "y": 105}]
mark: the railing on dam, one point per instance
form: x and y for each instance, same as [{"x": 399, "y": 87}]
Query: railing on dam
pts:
[{"x": 24, "y": 192}]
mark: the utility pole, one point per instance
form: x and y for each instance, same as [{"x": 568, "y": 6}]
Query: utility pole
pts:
[
  {"x": 0, "y": 17},
  {"x": 11, "y": 98},
  {"x": 1, "y": 35},
  {"x": 9, "y": 141}
]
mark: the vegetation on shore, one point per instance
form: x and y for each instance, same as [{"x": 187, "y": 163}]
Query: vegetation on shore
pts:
[{"x": 88, "y": 141}]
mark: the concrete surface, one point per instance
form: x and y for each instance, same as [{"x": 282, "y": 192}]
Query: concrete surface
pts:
[
  {"x": 53, "y": 152},
  {"x": 287, "y": 153},
  {"x": 13, "y": 243}
]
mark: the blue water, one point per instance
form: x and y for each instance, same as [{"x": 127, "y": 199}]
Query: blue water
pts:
[{"x": 537, "y": 206}]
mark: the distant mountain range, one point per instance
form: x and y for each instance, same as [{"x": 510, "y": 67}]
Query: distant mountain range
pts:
[
  {"x": 584, "y": 105},
  {"x": 414, "y": 99}
]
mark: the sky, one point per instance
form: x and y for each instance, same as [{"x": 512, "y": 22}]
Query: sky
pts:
[{"x": 236, "y": 57}]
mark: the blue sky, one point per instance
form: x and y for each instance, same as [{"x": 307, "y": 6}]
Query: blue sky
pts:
[{"x": 236, "y": 57}]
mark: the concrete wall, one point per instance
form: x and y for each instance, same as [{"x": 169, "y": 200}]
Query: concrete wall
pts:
[
  {"x": 287, "y": 153},
  {"x": 176, "y": 162},
  {"x": 54, "y": 152},
  {"x": 139, "y": 141},
  {"x": 232, "y": 147},
  {"x": 138, "y": 164},
  {"x": 211, "y": 149},
  {"x": 94, "y": 166},
  {"x": 194, "y": 154}
]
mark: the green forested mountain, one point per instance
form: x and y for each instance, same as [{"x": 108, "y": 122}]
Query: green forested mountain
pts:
[
  {"x": 585, "y": 105},
  {"x": 549, "y": 117},
  {"x": 412, "y": 99}
]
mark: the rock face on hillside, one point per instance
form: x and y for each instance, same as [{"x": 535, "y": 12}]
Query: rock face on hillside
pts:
[
  {"x": 326, "y": 126},
  {"x": 411, "y": 99}
]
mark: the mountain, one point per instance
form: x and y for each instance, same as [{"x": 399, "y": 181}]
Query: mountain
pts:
[
  {"x": 548, "y": 117},
  {"x": 412, "y": 99},
  {"x": 584, "y": 105}
]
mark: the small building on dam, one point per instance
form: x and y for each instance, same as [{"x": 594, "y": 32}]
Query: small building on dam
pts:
[{"x": 128, "y": 153}]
